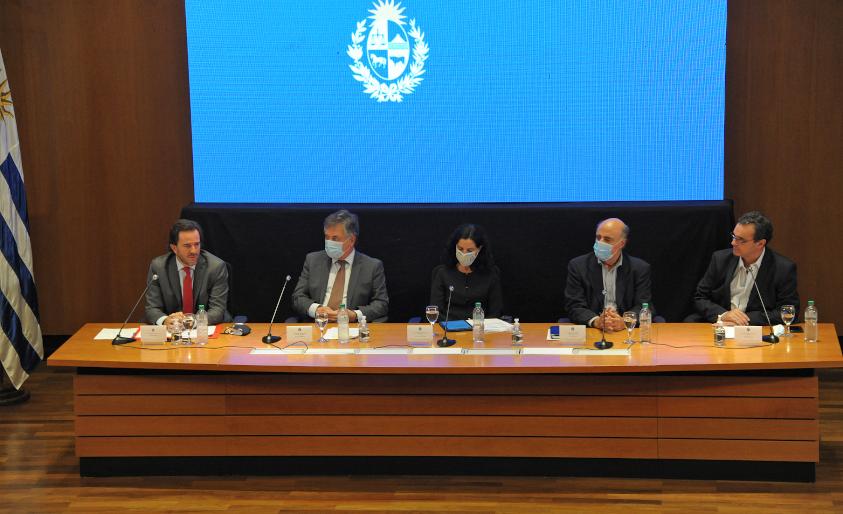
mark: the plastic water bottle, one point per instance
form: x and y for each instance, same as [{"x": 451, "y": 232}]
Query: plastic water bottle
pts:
[
  {"x": 364, "y": 329},
  {"x": 202, "y": 326},
  {"x": 719, "y": 332},
  {"x": 645, "y": 323},
  {"x": 342, "y": 324},
  {"x": 478, "y": 317},
  {"x": 517, "y": 335},
  {"x": 811, "y": 329}
]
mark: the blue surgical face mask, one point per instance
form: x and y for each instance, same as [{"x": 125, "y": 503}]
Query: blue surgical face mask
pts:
[
  {"x": 603, "y": 251},
  {"x": 333, "y": 248}
]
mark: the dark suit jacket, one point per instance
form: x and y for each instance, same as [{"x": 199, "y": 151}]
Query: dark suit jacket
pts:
[
  {"x": 210, "y": 288},
  {"x": 366, "y": 285},
  {"x": 584, "y": 287},
  {"x": 776, "y": 280}
]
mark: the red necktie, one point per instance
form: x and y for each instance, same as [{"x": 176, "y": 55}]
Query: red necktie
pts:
[{"x": 187, "y": 292}]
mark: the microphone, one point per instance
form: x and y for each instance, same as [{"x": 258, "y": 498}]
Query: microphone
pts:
[
  {"x": 269, "y": 338},
  {"x": 445, "y": 342},
  {"x": 118, "y": 339},
  {"x": 602, "y": 344},
  {"x": 772, "y": 338}
]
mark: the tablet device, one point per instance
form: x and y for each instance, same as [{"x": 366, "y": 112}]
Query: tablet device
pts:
[{"x": 457, "y": 325}]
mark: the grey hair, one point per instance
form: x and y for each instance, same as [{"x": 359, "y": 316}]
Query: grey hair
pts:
[
  {"x": 345, "y": 218},
  {"x": 624, "y": 230}
]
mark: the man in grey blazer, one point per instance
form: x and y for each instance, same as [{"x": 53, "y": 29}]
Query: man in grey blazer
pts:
[
  {"x": 361, "y": 285},
  {"x": 187, "y": 271}
]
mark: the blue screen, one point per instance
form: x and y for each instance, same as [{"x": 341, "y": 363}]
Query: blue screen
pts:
[{"x": 349, "y": 101}]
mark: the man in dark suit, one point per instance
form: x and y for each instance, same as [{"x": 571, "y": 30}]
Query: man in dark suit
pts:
[
  {"x": 340, "y": 274},
  {"x": 606, "y": 276},
  {"x": 187, "y": 272},
  {"x": 727, "y": 287}
]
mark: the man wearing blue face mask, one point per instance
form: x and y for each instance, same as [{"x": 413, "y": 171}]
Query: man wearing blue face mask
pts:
[
  {"x": 341, "y": 275},
  {"x": 606, "y": 278}
]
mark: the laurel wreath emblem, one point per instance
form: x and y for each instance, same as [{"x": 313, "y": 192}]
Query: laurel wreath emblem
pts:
[{"x": 382, "y": 91}]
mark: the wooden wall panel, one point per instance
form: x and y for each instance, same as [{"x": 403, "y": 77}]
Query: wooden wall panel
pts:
[
  {"x": 101, "y": 97},
  {"x": 783, "y": 133}
]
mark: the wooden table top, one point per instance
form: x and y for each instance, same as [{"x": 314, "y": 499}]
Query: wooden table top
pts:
[{"x": 675, "y": 347}]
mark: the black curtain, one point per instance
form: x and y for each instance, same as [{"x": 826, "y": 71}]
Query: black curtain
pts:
[{"x": 532, "y": 245}]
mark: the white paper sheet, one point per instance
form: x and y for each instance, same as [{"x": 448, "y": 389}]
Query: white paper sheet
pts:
[
  {"x": 453, "y": 350},
  {"x": 491, "y": 351},
  {"x": 111, "y": 333},
  {"x": 333, "y": 333},
  {"x": 492, "y": 325}
]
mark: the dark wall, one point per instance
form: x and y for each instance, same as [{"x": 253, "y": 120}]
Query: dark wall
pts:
[
  {"x": 532, "y": 244},
  {"x": 101, "y": 97}
]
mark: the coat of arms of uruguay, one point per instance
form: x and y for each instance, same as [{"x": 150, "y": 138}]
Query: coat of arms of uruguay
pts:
[{"x": 384, "y": 64}]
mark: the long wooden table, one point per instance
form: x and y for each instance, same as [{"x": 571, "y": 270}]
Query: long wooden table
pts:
[{"x": 679, "y": 398}]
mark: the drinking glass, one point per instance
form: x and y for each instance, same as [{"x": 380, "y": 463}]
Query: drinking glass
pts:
[
  {"x": 432, "y": 313},
  {"x": 189, "y": 321},
  {"x": 630, "y": 318},
  {"x": 175, "y": 328},
  {"x": 321, "y": 323},
  {"x": 788, "y": 313}
]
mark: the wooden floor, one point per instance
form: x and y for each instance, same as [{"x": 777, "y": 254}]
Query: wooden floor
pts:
[{"x": 40, "y": 474}]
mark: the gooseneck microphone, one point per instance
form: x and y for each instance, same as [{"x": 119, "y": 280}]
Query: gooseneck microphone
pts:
[
  {"x": 118, "y": 339},
  {"x": 269, "y": 338},
  {"x": 772, "y": 338},
  {"x": 602, "y": 344},
  {"x": 445, "y": 342}
]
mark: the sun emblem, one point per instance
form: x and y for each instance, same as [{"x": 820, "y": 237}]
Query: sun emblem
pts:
[
  {"x": 6, "y": 101},
  {"x": 390, "y": 74}
]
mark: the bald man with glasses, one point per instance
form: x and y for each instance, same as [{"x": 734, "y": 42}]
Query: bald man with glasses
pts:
[{"x": 728, "y": 286}]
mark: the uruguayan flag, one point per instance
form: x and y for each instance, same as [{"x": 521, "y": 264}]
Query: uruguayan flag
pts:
[{"x": 21, "y": 347}]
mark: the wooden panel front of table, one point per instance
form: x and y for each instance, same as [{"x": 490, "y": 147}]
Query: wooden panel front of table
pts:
[{"x": 679, "y": 398}]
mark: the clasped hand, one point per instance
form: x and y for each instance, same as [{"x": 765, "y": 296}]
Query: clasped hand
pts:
[
  {"x": 610, "y": 321},
  {"x": 332, "y": 314}
]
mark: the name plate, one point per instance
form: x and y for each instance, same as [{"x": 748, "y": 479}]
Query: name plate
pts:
[
  {"x": 571, "y": 334},
  {"x": 419, "y": 333},
  {"x": 299, "y": 334},
  {"x": 748, "y": 335},
  {"x": 153, "y": 334}
]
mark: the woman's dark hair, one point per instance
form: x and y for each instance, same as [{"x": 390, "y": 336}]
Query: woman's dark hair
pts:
[{"x": 485, "y": 259}]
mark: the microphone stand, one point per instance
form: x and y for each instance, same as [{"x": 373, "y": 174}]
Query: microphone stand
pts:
[
  {"x": 602, "y": 344},
  {"x": 118, "y": 339},
  {"x": 269, "y": 338},
  {"x": 445, "y": 342},
  {"x": 772, "y": 338}
]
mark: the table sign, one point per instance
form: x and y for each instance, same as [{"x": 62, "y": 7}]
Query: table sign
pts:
[
  {"x": 748, "y": 335},
  {"x": 153, "y": 334},
  {"x": 419, "y": 333},
  {"x": 299, "y": 334}
]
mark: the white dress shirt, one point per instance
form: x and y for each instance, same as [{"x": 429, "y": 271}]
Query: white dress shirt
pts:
[
  {"x": 742, "y": 280},
  {"x": 332, "y": 277}
]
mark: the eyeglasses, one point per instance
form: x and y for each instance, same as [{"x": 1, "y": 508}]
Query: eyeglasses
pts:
[{"x": 739, "y": 240}]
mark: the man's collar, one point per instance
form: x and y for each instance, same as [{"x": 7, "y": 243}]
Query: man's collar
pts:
[
  {"x": 349, "y": 259},
  {"x": 757, "y": 262},
  {"x": 616, "y": 265},
  {"x": 180, "y": 265}
]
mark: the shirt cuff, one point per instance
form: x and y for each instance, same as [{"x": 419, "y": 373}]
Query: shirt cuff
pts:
[
  {"x": 359, "y": 315},
  {"x": 592, "y": 320},
  {"x": 311, "y": 311},
  {"x": 160, "y": 321}
]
